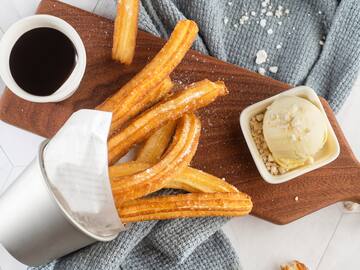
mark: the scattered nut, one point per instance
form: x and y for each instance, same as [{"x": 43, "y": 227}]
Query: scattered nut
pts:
[
  {"x": 350, "y": 206},
  {"x": 294, "y": 265}
]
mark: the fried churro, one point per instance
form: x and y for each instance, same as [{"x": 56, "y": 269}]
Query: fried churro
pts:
[
  {"x": 190, "y": 179},
  {"x": 176, "y": 158},
  {"x": 125, "y": 31},
  {"x": 161, "y": 91},
  {"x": 155, "y": 95},
  {"x": 127, "y": 168},
  {"x": 153, "y": 148},
  {"x": 133, "y": 93},
  {"x": 185, "y": 205},
  {"x": 194, "y": 180},
  {"x": 195, "y": 96}
]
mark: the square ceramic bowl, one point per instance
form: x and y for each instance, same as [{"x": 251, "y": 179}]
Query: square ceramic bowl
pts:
[{"x": 327, "y": 154}]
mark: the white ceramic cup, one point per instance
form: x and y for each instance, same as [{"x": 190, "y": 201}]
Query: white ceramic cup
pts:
[{"x": 16, "y": 31}]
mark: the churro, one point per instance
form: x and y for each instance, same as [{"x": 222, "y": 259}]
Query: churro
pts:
[
  {"x": 127, "y": 168},
  {"x": 160, "y": 92},
  {"x": 151, "y": 75},
  {"x": 195, "y": 96},
  {"x": 190, "y": 179},
  {"x": 153, "y": 148},
  {"x": 176, "y": 158},
  {"x": 185, "y": 205},
  {"x": 125, "y": 31},
  {"x": 194, "y": 180},
  {"x": 154, "y": 96}
]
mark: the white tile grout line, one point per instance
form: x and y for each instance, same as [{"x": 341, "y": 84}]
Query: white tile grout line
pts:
[
  {"x": 97, "y": 3},
  {"x": 328, "y": 244},
  {"x": 7, "y": 156},
  {"x": 5, "y": 182}
]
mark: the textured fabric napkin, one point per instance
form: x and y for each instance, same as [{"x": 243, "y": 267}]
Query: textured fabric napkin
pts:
[{"x": 312, "y": 42}]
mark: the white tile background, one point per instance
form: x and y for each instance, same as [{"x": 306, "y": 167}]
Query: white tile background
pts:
[{"x": 326, "y": 240}]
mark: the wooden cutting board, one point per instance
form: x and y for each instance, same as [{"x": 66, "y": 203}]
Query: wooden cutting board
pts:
[{"x": 222, "y": 149}]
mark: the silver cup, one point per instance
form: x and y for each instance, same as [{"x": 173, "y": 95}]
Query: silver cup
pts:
[{"x": 34, "y": 227}]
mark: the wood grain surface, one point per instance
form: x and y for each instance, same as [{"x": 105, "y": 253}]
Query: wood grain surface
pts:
[{"x": 222, "y": 149}]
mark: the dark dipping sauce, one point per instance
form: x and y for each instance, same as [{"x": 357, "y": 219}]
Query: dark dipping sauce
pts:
[{"x": 41, "y": 60}]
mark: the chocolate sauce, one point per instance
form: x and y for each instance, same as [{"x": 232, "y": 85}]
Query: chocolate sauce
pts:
[{"x": 41, "y": 60}]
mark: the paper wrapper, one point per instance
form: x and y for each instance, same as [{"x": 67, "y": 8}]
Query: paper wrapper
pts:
[{"x": 76, "y": 163}]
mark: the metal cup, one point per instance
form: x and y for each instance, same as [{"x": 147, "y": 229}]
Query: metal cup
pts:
[{"x": 34, "y": 227}]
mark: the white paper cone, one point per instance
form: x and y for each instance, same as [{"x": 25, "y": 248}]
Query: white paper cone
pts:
[{"x": 76, "y": 164}]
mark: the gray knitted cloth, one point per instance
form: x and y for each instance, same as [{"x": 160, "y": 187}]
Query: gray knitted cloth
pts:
[
  {"x": 234, "y": 31},
  {"x": 231, "y": 30}
]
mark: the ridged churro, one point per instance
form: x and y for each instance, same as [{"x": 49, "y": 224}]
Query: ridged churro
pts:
[
  {"x": 127, "y": 168},
  {"x": 185, "y": 205},
  {"x": 160, "y": 92},
  {"x": 125, "y": 31},
  {"x": 160, "y": 67},
  {"x": 190, "y": 179},
  {"x": 177, "y": 157},
  {"x": 195, "y": 96},
  {"x": 153, "y": 148},
  {"x": 194, "y": 180},
  {"x": 154, "y": 96}
]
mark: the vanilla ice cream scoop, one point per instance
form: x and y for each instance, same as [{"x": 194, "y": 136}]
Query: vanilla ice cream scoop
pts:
[{"x": 294, "y": 130}]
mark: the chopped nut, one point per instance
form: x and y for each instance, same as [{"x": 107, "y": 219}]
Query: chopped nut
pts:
[
  {"x": 259, "y": 117},
  {"x": 274, "y": 170},
  {"x": 262, "y": 22},
  {"x": 261, "y": 57},
  {"x": 273, "y": 69},
  {"x": 256, "y": 130},
  {"x": 243, "y": 19},
  {"x": 262, "y": 71},
  {"x": 350, "y": 206}
]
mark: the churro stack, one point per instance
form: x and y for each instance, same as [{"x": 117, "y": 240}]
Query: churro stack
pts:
[{"x": 146, "y": 112}]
